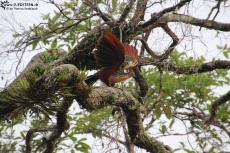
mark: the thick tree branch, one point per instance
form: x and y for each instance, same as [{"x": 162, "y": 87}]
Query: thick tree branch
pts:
[
  {"x": 147, "y": 48},
  {"x": 39, "y": 92},
  {"x": 61, "y": 125},
  {"x": 126, "y": 11},
  {"x": 156, "y": 16},
  {"x": 107, "y": 96},
  {"x": 202, "y": 68},
  {"x": 143, "y": 85},
  {"x": 129, "y": 144},
  {"x": 194, "y": 21},
  {"x": 220, "y": 101},
  {"x": 46, "y": 87},
  {"x": 29, "y": 137},
  {"x": 139, "y": 12},
  {"x": 145, "y": 38}
]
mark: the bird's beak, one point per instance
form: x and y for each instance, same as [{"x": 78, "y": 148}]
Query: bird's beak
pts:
[{"x": 131, "y": 65}]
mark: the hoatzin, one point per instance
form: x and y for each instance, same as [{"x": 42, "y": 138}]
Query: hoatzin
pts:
[{"x": 116, "y": 60}]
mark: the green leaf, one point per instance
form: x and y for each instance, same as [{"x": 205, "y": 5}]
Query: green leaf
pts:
[
  {"x": 158, "y": 111},
  {"x": 163, "y": 129},
  {"x": 35, "y": 43},
  {"x": 171, "y": 123},
  {"x": 54, "y": 44},
  {"x": 56, "y": 17},
  {"x": 167, "y": 111},
  {"x": 114, "y": 4},
  {"x": 225, "y": 53},
  {"x": 69, "y": 23}
]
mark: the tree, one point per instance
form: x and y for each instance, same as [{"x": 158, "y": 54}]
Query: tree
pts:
[{"x": 171, "y": 86}]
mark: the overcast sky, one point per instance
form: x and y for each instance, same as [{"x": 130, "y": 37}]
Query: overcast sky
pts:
[{"x": 16, "y": 19}]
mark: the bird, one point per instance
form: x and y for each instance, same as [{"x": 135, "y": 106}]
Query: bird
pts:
[{"x": 116, "y": 60}]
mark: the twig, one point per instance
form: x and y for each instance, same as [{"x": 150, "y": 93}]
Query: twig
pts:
[
  {"x": 147, "y": 48},
  {"x": 217, "y": 6},
  {"x": 60, "y": 10}
]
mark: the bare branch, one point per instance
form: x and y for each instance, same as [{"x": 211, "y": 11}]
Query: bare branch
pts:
[
  {"x": 216, "y": 7},
  {"x": 174, "y": 43},
  {"x": 221, "y": 126},
  {"x": 60, "y": 10},
  {"x": 147, "y": 48},
  {"x": 168, "y": 51},
  {"x": 105, "y": 17},
  {"x": 156, "y": 16},
  {"x": 195, "y": 21},
  {"x": 126, "y": 11},
  {"x": 205, "y": 67},
  {"x": 139, "y": 12}
]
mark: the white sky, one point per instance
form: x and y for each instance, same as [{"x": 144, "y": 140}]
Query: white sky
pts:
[{"x": 26, "y": 18}]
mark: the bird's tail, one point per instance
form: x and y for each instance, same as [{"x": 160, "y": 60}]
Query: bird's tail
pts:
[{"x": 90, "y": 80}]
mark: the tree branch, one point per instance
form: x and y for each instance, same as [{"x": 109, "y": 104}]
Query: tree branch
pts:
[
  {"x": 156, "y": 16},
  {"x": 29, "y": 137},
  {"x": 61, "y": 125},
  {"x": 139, "y": 12},
  {"x": 129, "y": 144},
  {"x": 202, "y": 68},
  {"x": 195, "y": 21},
  {"x": 220, "y": 101},
  {"x": 107, "y": 96},
  {"x": 105, "y": 17},
  {"x": 168, "y": 51},
  {"x": 126, "y": 11},
  {"x": 47, "y": 86},
  {"x": 143, "y": 85},
  {"x": 217, "y": 7}
]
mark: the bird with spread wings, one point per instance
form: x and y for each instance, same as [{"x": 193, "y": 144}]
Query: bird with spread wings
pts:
[{"x": 116, "y": 60}]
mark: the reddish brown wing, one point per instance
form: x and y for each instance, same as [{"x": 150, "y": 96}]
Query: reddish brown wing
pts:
[
  {"x": 130, "y": 51},
  {"x": 110, "y": 51}
]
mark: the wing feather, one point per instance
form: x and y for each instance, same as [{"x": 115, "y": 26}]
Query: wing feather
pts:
[
  {"x": 110, "y": 51},
  {"x": 130, "y": 51}
]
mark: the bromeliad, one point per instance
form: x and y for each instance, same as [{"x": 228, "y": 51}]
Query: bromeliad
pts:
[{"x": 116, "y": 60}]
